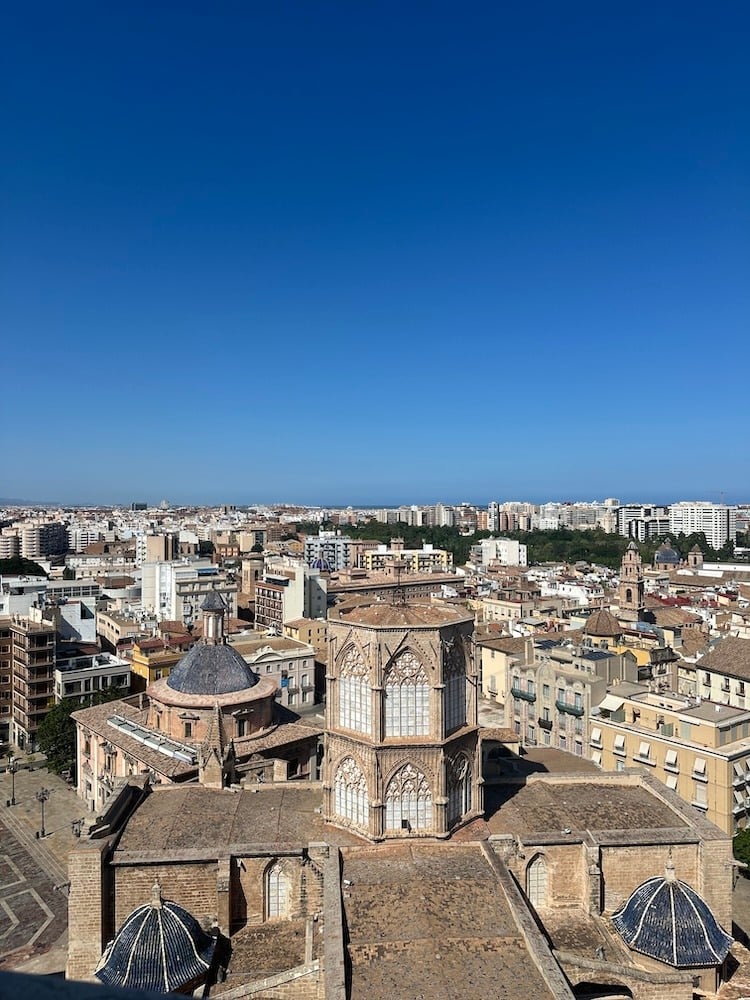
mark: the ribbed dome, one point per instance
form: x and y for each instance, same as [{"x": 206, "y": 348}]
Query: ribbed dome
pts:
[
  {"x": 160, "y": 947},
  {"x": 667, "y": 920},
  {"x": 211, "y": 670}
]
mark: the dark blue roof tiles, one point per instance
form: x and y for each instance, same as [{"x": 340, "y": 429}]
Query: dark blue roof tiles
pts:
[
  {"x": 211, "y": 670},
  {"x": 667, "y": 920},
  {"x": 160, "y": 948}
]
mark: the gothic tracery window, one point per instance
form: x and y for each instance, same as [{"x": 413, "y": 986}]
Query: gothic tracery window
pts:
[
  {"x": 351, "y": 799},
  {"x": 536, "y": 881},
  {"x": 408, "y": 800},
  {"x": 459, "y": 787},
  {"x": 454, "y": 677},
  {"x": 407, "y": 698},
  {"x": 277, "y": 892},
  {"x": 355, "y": 699}
]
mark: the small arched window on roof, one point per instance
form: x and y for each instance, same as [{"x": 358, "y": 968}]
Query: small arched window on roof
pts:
[
  {"x": 537, "y": 881},
  {"x": 277, "y": 892}
]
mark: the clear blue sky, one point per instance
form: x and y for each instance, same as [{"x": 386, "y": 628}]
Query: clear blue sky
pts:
[{"x": 374, "y": 252}]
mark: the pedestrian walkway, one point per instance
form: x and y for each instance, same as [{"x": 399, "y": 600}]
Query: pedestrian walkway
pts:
[{"x": 34, "y": 867}]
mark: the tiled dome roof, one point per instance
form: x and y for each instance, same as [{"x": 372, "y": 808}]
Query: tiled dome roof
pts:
[
  {"x": 667, "y": 920},
  {"x": 666, "y": 555},
  {"x": 160, "y": 947},
  {"x": 211, "y": 670},
  {"x": 602, "y": 623}
]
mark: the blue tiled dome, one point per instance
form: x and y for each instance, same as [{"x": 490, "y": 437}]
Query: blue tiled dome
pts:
[
  {"x": 665, "y": 555},
  {"x": 667, "y": 920},
  {"x": 211, "y": 670},
  {"x": 160, "y": 947}
]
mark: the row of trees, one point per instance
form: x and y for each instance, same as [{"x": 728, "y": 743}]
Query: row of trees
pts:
[{"x": 563, "y": 545}]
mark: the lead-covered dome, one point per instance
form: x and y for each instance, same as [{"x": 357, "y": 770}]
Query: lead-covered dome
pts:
[
  {"x": 160, "y": 947},
  {"x": 667, "y": 920},
  {"x": 211, "y": 670}
]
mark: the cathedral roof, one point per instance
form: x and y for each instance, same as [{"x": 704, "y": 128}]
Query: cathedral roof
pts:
[
  {"x": 160, "y": 948},
  {"x": 667, "y": 920},
  {"x": 211, "y": 670},
  {"x": 602, "y": 623}
]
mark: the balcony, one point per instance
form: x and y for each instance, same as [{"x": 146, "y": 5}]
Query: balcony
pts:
[
  {"x": 563, "y": 706},
  {"x": 545, "y": 724},
  {"x": 524, "y": 695}
]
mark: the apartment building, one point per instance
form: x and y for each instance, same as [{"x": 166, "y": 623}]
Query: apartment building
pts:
[
  {"x": 289, "y": 590},
  {"x": 550, "y": 699},
  {"x": 641, "y": 521},
  {"x": 32, "y": 670},
  {"x": 290, "y": 664},
  {"x": 717, "y": 521},
  {"x": 500, "y": 551},
  {"x": 6, "y": 680},
  {"x": 721, "y": 675},
  {"x": 41, "y": 540},
  {"x": 425, "y": 560},
  {"x": 153, "y": 657},
  {"x": 175, "y": 590},
  {"x": 699, "y": 749},
  {"x": 79, "y": 676},
  {"x": 329, "y": 551}
]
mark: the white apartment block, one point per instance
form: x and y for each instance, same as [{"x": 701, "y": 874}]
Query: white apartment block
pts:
[
  {"x": 502, "y": 551},
  {"x": 10, "y": 545},
  {"x": 175, "y": 590},
  {"x": 289, "y": 590},
  {"x": 328, "y": 551},
  {"x": 642, "y": 521},
  {"x": 81, "y": 676},
  {"x": 716, "y": 520}
]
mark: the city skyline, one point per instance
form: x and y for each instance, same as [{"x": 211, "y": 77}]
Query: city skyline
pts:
[{"x": 373, "y": 257}]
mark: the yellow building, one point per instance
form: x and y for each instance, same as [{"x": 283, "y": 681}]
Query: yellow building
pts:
[
  {"x": 154, "y": 658},
  {"x": 699, "y": 749}
]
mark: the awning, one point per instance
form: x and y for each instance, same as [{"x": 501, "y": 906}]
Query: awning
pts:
[
  {"x": 672, "y": 781},
  {"x": 596, "y": 735},
  {"x": 597, "y": 758},
  {"x": 670, "y": 758},
  {"x": 612, "y": 704}
]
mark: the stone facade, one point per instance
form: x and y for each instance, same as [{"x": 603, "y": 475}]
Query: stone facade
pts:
[{"x": 402, "y": 750}]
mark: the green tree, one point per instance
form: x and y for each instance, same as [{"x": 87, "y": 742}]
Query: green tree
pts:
[
  {"x": 56, "y": 736},
  {"x": 741, "y": 847},
  {"x": 69, "y": 574},
  {"x": 20, "y": 567}
]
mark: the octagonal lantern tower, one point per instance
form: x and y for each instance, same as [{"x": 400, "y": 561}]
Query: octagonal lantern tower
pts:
[{"x": 402, "y": 740}]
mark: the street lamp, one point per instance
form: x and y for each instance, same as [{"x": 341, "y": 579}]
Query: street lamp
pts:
[
  {"x": 12, "y": 767},
  {"x": 41, "y": 796}
]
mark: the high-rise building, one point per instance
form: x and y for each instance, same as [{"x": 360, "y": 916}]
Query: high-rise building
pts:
[{"x": 717, "y": 521}]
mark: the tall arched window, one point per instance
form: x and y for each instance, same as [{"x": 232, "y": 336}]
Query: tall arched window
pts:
[
  {"x": 629, "y": 595},
  {"x": 454, "y": 676},
  {"x": 407, "y": 698},
  {"x": 459, "y": 788},
  {"x": 536, "y": 881},
  {"x": 355, "y": 699},
  {"x": 351, "y": 800},
  {"x": 408, "y": 800},
  {"x": 277, "y": 892}
]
